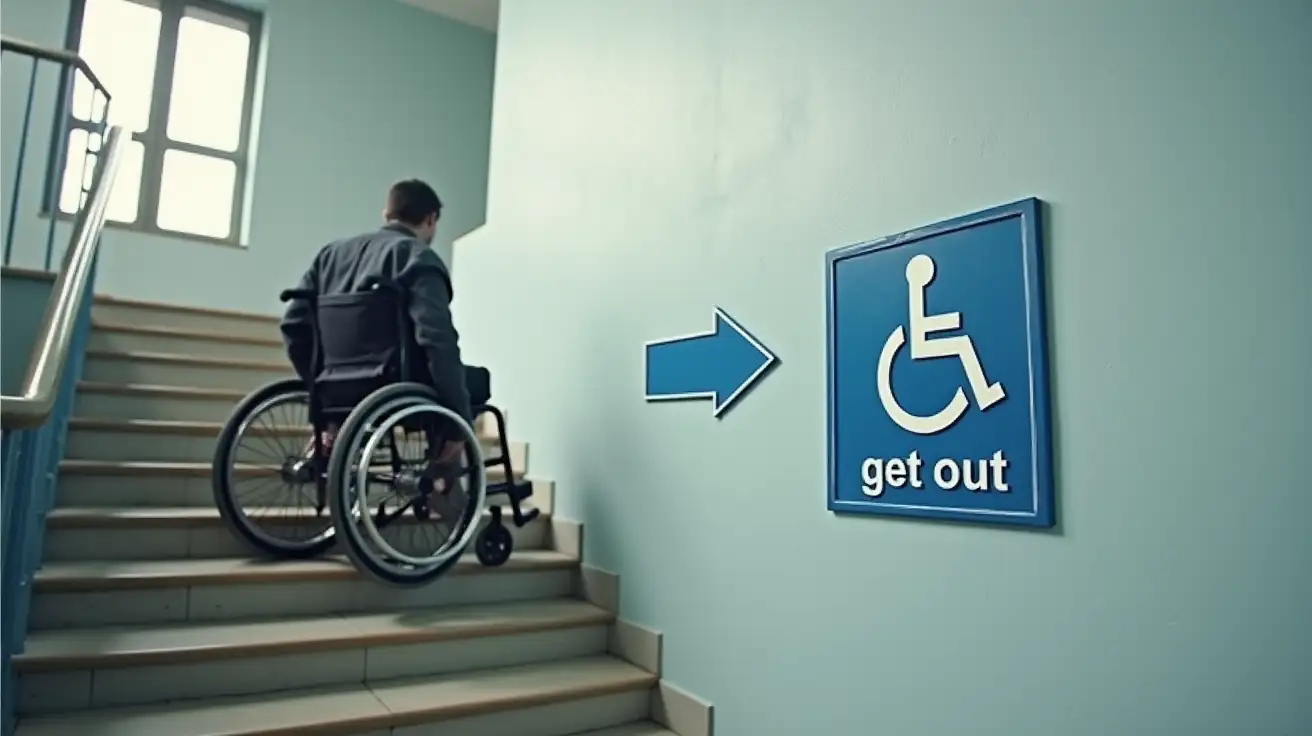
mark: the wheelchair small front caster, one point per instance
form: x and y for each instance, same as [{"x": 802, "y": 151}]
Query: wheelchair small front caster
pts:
[{"x": 494, "y": 545}]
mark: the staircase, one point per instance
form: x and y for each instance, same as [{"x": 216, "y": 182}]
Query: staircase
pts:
[{"x": 148, "y": 618}]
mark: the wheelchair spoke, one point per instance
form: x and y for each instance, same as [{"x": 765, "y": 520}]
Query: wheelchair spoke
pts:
[
  {"x": 406, "y": 456},
  {"x": 268, "y": 483},
  {"x": 387, "y": 455}
]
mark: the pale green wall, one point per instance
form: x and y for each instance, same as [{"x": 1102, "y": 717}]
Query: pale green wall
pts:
[
  {"x": 22, "y": 302},
  {"x": 358, "y": 94},
  {"x": 653, "y": 159}
]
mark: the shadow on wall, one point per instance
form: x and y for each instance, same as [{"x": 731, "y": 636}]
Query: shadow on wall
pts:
[{"x": 592, "y": 460}]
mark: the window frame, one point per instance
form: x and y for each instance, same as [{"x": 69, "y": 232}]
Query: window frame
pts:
[{"x": 154, "y": 140}]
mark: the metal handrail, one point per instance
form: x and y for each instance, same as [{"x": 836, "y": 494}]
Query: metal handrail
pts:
[
  {"x": 61, "y": 56},
  {"x": 32, "y": 408}
]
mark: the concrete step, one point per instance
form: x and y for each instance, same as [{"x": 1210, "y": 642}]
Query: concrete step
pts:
[
  {"x": 641, "y": 728},
  {"x": 175, "y": 369},
  {"x": 125, "y": 483},
  {"x": 198, "y": 532},
  {"x": 96, "y": 438},
  {"x": 152, "y": 401},
  {"x": 108, "y": 593},
  {"x": 76, "y": 669},
  {"x": 108, "y": 335},
  {"x": 149, "y": 469},
  {"x": 118, "y": 310},
  {"x": 186, "y": 404},
  {"x": 543, "y": 699}
]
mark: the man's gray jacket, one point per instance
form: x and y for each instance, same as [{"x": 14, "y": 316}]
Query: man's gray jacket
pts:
[{"x": 391, "y": 254}]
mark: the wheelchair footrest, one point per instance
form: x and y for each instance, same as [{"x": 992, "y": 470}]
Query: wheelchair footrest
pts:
[{"x": 516, "y": 493}]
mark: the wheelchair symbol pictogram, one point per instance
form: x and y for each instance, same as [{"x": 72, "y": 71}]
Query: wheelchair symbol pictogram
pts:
[{"x": 920, "y": 273}]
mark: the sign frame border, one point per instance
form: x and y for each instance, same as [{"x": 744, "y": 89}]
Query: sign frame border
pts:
[{"x": 1043, "y": 511}]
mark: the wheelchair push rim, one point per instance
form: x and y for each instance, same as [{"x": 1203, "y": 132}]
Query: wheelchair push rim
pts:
[
  {"x": 256, "y": 532},
  {"x": 356, "y": 465}
]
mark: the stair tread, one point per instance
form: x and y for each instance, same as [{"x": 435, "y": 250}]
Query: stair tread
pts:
[
  {"x": 156, "y": 644},
  {"x": 191, "y": 333},
  {"x": 194, "y": 427},
  {"x": 100, "y": 517},
  {"x": 645, "y": 728},
  {"x": 356, "y": 708},
  {"x": 484, "y": 424},
  {"x": 154, "y": 356},
  {"x": 110, "y": 300},
  {"x": 102, "y": 575},
  {"x": 172, "y": 426},
  {"x": 167, "y": 467},
  {"x": 190, "y": 392}
]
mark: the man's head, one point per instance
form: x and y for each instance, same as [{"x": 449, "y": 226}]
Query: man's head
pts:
[{"x": 414, "y": 204}]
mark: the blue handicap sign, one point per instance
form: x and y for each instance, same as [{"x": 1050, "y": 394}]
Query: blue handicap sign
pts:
[{"x": 938, "y": 372}]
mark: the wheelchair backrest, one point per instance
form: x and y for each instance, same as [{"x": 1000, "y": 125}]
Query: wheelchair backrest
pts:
[
  {"x": 363, "y": 341},
  {"x": 361, "y": 334}
]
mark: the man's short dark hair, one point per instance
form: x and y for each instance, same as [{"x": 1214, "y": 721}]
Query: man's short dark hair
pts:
[{"x": 411, "y": 201}]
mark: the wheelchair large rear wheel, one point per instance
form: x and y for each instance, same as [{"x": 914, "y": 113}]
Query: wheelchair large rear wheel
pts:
[
  {"x": 404, "y": 519},
  {"x": 266, "y": 486}
]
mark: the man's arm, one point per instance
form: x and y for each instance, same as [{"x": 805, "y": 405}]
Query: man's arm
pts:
[
  {"x": 429, "y": 288},
  {"x": 298, "y": 330}
]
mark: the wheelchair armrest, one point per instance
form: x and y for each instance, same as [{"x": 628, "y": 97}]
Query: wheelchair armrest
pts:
[{"x": 288, "y": 295}]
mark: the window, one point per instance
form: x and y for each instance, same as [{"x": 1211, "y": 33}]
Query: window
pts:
[{"x": 181, "y": 74}]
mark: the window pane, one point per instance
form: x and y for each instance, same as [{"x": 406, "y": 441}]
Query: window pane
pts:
[
  {"x": 195, "y": 194},
  {"x": 209, "y": 81},
  {"x": 119, "y": 40},
  {"x": 127, "y": 185}
]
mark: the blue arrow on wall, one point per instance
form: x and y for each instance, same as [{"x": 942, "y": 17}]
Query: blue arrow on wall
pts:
[{"x": 720, "y": 365}]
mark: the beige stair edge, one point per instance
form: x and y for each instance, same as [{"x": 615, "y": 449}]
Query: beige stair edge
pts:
[
  {"x": 88, "y": 577},
  {"x": 127, "y": 468},
  {"x": 119, "y": 301},
  {"x": 484, "y": 424},
  {"x": 145, "y": 356},
  {"x": 373, "y": 706},
  {"x": 187, "y": 333},
  {"x": 194, "y": 428},
  {"x": 644, "y": 728},
  {"x": 176, "y": 392},
  {"x": 169, "y": 644},
  {"x": 165, "y": 426},
  {"x": 165, "y": 517}
]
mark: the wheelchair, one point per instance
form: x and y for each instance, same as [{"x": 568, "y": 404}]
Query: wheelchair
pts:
[{"x": 340, "y": 470}]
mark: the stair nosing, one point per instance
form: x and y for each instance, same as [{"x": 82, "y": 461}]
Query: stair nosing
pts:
[
  {"x": 618, "y": 677},
  {"x": 635, "y": 679},
  {"x": 171, "y": 469},
  {"x": 584, "y": 614},
  {"x": 170, "y": 426},
  {"x": 145, "y": 426},
  {"x": 152, "y": 517},
  {"x": 182, "y": 333},
  {"x": 47, "y": 580},
  {"x": 202, "y": 393},
  {"x": 188, "y": 392},
  {"x": 151, "y": 356},
  {"x": 237, "y": 315}
]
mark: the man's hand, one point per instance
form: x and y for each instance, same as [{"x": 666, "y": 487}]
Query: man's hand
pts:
[{"x": 450, "y": 451}]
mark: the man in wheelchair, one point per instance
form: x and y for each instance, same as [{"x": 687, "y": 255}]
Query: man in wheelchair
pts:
[
  {"x": 369, "y": 333},
  {"x": 370, "y": 325},
  {"x": 397, "y": 255}
]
